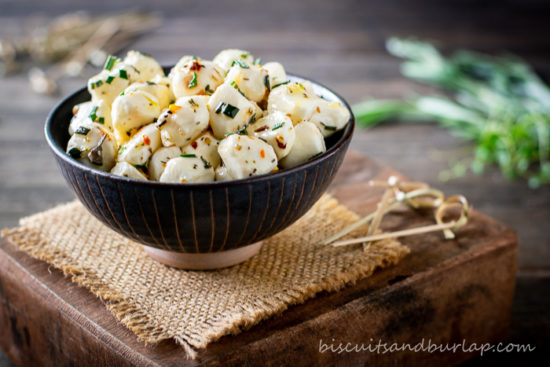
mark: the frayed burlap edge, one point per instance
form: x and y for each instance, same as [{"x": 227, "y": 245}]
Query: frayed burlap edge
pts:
[{"x": 139, "y": 322}]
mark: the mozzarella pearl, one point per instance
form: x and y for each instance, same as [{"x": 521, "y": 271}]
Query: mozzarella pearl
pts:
[
  {"x": 160, "y": 158},
  {"x": 230, "y": 111},
  {"x": 187, "y": 169},
  {"x": 131, "y": 111},
  {"x": 92, "y": 145},
  {"x": 251, "y": 81},
  {"x": 245, "y": 156},
  {"x": 184, "y": 121},
  {"x": 277, "y": 130},
  {"x": 309, "y": 142},
  {"x": 125, "y": 169},
  {"x": 147, "y": 66},
  {"x": 225, "y": 58},
  {"x": 276, "y": 73},
  {"x": 141, "y": 146},
  {"x": 206, "y": 146},
  {"x": 196, "y": 77}
]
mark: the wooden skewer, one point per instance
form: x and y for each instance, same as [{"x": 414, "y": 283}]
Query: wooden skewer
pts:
[{"x": 403, "y": 233}]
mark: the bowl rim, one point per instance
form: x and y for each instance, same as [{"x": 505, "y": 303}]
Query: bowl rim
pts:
[{"x": 60, "y": 153}]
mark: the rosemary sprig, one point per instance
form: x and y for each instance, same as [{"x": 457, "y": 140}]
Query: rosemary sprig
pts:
[{"x": 499, "y": 103}]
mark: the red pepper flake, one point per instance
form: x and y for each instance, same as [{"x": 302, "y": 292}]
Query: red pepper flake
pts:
[
  {"x": 194, "y": 145},
  {"x": 146, "y": 140},
  {"x": 195, "y": 66},
  {"x": 280, "y": 142},
  {"x": 262, "y": 153},
  {"x": 263, "y": 128},
  {"x": 318, "y": 109}
]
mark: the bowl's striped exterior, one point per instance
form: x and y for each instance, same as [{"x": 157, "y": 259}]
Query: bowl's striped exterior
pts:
[{"x": 195, "y": 218}]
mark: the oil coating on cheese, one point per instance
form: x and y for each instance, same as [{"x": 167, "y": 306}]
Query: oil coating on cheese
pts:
[{"x": 225, "y": 119}]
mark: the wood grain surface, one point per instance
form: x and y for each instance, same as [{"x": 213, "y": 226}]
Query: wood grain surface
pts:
[
  {"x": 340, "y": 44},
  {"x": 445, "y": 291}
]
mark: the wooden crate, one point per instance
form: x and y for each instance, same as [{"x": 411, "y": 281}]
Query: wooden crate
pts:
[{"x": 444, "y": 291}]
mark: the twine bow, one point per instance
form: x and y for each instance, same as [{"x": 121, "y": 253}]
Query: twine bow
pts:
[{"x": 416, "y": 195}]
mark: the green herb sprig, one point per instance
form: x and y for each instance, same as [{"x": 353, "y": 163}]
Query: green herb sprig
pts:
[{"x": 499, "y": 104}]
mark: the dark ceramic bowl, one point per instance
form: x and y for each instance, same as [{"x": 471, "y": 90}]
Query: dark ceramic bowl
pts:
[{"x": 198, "y": 225}]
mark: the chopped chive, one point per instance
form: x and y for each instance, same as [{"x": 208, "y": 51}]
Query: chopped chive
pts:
[
  {"x": 252, "y": 119},
  {"x": 301, "y": 86},
  {"x": 109, "y": 79},
  {"x": 93, "y": 115},
  {"x": 208, "y": 90},
  {"x": 151, "y": 83},
  {"x": 121, "y": 93},
  {"x": 329, "y": 128},
  {"x": 123, "y": 74},
  {"x": 111, "y": 61},
  {"x": 121, "y": 150},
  {"x": 242, "y": 131},
  {"x": 193, "y": 82},
  {"x": 266, "y": 82},
  {"x": 245, "y": 55},
  {"x": 258, "y": 61},
  {"x": 278, "y": 126},
  {"x": 82, "y": 130},
  {"x": 75, "y": 153},
  {"x": 277, "y": 85},
  {"x": 219, "y": 107},
  {"x": 92, "y": 85},
  {"x": 227, "y": 134},
  {"x": 206, "y": 163},
  {"x": 241, "y": 63},
  {"x": 230, "y": 110},
  {"x": 98, "y": 84},
  {"x": 191, "y": 155},
  {"x": 101, "y": 120}
]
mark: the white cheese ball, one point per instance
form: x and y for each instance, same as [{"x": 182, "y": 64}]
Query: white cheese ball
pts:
[
  {"x": 108, "y": 84},
  {"x": 99, "y": 110},
  {"x": 301, "y": 104},
  {"x": 141, "y": 146},
  {"x": 147, "y": 66},
  {"x": 187, "y": 169},
  {"x": 159, "y": 160},
  {"x": 245, "y": 156},
  {"x": 251, "y": 80},
  {"x": 225, "y": 58},
  {"x": 125, "y": 169},
  {"x": 230, "y": 111},
  {"x": 277, "y": 130},
  {"x": 184, "y": 121},
  {"x": 276, "y": 73},
  {"x": 81, "y": 116},
  {"x": 131, "y": 111},
  {"x": 329, "y": 117},
  {"x": 161, "y": 91},
  {"x": 196, "y": 77},
  {"x": 222, "y": 174},
  {"x": 93, "y": 145},
  {"x": 206, "y": 146},
  {"x": 309, "y": 143}
]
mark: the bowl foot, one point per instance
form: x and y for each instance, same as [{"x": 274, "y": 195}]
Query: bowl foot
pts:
[{"x": 203, "y": 261}]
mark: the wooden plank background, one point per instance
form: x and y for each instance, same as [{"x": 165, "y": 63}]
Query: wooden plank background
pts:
[{"x": 340, "y": 44}]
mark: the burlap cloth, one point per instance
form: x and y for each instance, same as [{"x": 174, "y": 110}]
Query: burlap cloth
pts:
[{"x": 196, "y": 308}]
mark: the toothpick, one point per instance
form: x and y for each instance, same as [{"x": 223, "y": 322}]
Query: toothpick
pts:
[{"x": 403, "y": 233}]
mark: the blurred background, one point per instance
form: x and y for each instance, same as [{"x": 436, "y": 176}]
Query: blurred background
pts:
[{"x": 338, "y": 43}]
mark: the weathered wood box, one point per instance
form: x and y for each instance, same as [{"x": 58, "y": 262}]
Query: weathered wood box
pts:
[{"x": 443, "y": 292}]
